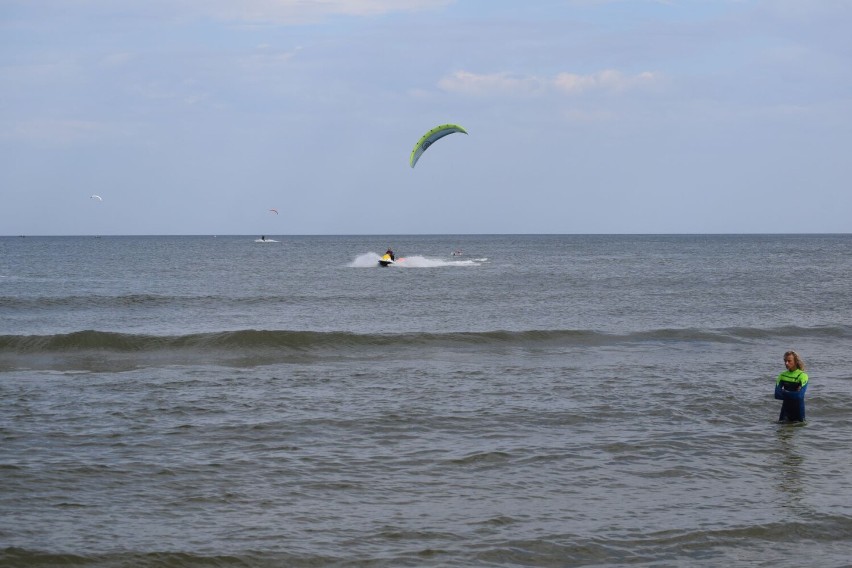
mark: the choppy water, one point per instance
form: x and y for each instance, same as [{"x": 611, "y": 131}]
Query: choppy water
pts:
[{"x": 536, "y": 401}]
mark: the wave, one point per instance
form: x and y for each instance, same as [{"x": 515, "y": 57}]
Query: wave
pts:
[
  {"x": 307, "y": 340},
  {"x": 257, "y": 347},
  {"x": 824, "y": 539},
  {"x": 15, "y": 556},
  {"x": 145, "y": 301}
]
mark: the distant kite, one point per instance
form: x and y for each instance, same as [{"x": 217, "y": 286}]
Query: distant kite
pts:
[
  {"x": 274, "y": 211},
  {"x": 430, "y": 138},
  {"x": 98, "y": 197}
]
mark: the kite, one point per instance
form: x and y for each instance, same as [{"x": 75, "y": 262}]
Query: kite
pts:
[{"x": 430, "y": 138}]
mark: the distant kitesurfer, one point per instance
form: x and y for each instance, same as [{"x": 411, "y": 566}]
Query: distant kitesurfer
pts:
[
  {"x": 263, "y": 237},
  {"x": 790, "y": 388}
]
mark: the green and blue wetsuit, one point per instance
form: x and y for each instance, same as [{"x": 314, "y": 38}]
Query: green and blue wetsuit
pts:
[{"x": 790, "y": 387}]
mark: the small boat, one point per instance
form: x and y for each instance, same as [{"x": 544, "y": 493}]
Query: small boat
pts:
[{"x": 386, "y": 260}]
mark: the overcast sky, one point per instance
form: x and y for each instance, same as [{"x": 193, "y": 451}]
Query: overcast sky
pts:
[{"x": 584, "y": 116}]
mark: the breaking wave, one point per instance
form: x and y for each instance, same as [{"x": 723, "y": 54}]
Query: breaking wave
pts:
[{"x": 92, "y": 348}]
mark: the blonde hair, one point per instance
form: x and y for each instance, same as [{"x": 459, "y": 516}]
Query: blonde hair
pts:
[{"x": 798, "y": 360}]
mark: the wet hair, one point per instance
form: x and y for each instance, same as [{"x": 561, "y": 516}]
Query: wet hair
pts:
[{"x": 796, "y": 359}]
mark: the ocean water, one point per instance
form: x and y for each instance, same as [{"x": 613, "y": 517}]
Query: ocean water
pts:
[{"x": 531, "y": 401}]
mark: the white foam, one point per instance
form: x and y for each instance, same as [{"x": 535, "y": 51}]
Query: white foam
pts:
[
  {"x": 367, "y": 260},
  {"x": 371, "y": 259}
]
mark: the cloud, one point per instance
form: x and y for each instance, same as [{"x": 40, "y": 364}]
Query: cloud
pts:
[
  {"x": 284, "y": 12},
  {"x": 468, "y": 83},
  {"x": 609, "y": 81},
  {"x": 606, "y": 81},
  {"x": 300, "y": 12}
]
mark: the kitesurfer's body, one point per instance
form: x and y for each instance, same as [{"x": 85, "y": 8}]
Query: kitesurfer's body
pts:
[{"x": 790, "y": 387}]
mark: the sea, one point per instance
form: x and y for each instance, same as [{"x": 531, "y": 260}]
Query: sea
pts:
[{"x": 489, "y": 400}]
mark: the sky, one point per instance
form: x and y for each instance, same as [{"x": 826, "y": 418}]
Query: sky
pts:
[{"x": 197, "y": 117}]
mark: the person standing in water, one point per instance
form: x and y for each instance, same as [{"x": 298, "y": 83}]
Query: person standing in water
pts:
[{"x": 790, "y": 388}]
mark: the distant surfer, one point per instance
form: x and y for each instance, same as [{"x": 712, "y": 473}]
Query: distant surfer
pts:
[{"x": 790, "y": 388}]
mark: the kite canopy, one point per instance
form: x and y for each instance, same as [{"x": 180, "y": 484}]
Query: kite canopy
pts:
[
  {"x": 274, "y": 211},
  {"x": 98, "y": 197},
  {"x": 430, "y": 137}
]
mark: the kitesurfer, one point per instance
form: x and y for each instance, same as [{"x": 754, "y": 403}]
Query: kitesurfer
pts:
[{"x": 790, "y": 388}]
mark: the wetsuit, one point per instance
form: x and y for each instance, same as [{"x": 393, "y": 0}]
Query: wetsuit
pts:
[{"x": 790, "y": 388}]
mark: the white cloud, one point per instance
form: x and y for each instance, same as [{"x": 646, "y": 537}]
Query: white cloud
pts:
[
  {"x": 299, "y": 11},
  {"x": 607, "y": 81},
  {"x": 472, "y": 84},
  {"x": 246, "y": 11}
]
